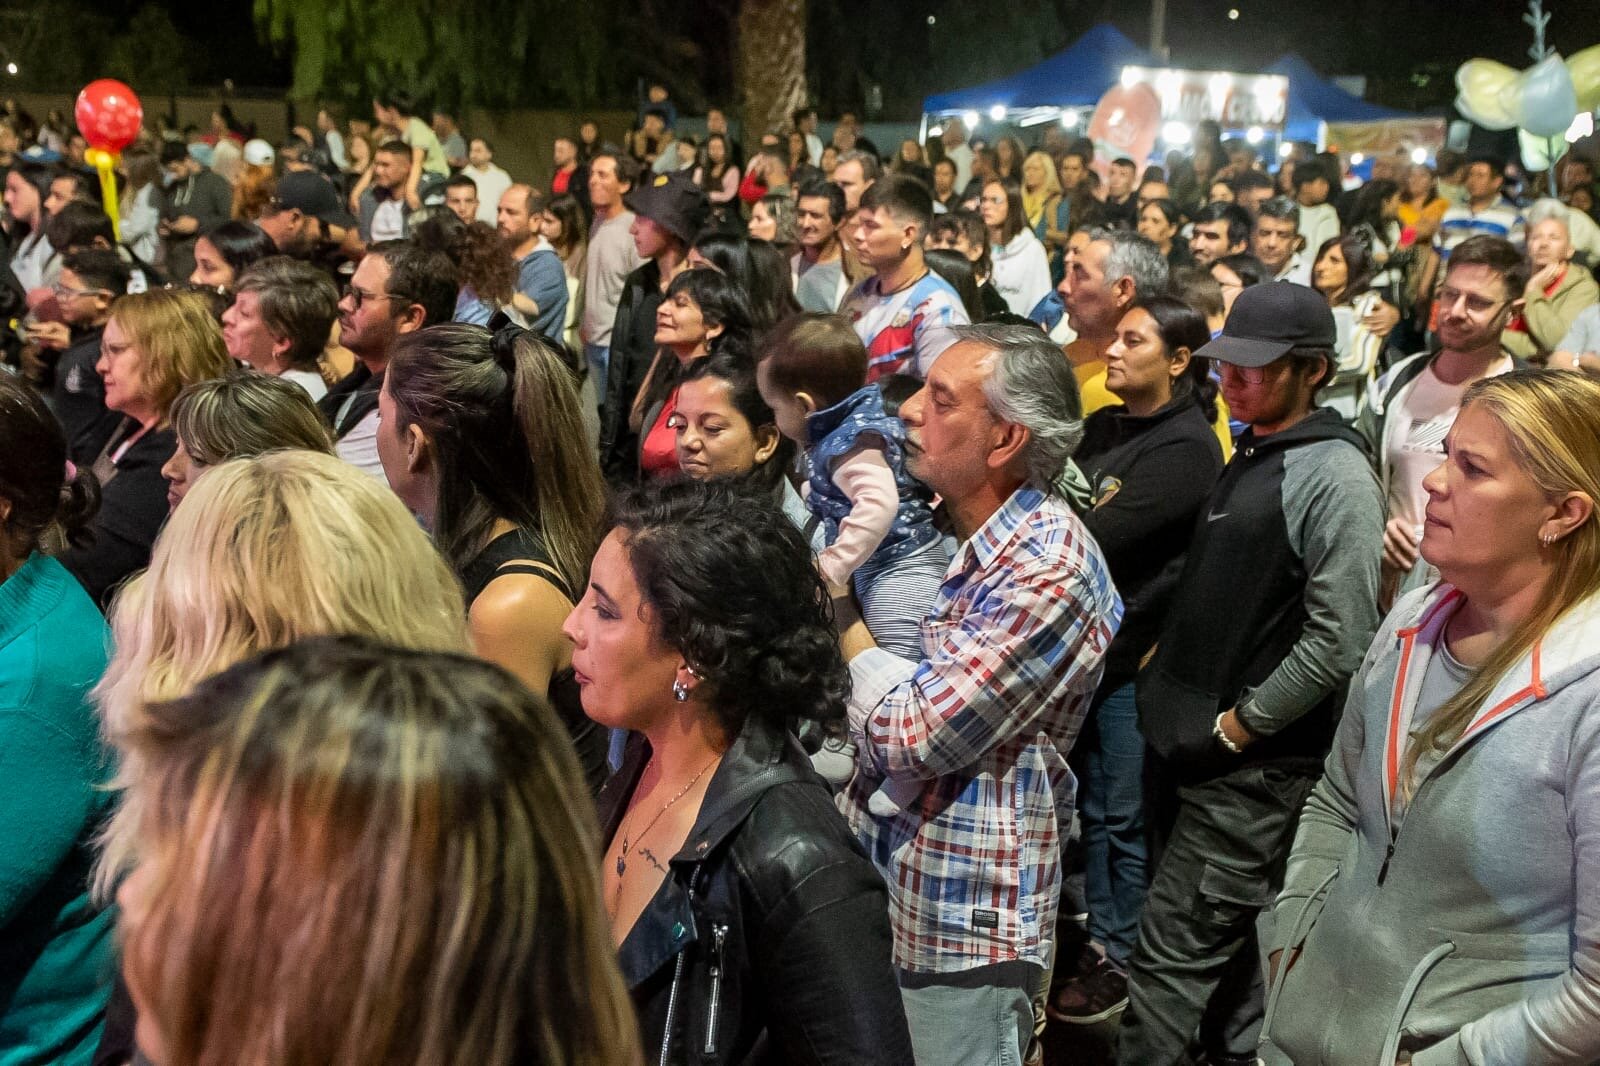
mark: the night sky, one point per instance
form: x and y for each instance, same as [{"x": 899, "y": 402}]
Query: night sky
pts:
[{"x": 1408, "y": 49}]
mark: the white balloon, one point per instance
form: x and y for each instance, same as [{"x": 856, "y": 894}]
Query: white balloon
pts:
[{"x": 1548, "y": 99}]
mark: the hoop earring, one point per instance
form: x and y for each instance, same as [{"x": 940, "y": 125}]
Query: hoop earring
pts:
[{"x": 680, "y": 692}]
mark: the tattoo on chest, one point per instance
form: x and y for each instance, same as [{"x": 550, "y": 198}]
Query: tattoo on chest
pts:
[{"x": 650, "y": 857}]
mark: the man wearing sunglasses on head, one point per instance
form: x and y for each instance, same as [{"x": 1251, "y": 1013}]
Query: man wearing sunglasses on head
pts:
[
  {"x": 1272, "y": 613},
  {"x": 1411, "y": 407}
]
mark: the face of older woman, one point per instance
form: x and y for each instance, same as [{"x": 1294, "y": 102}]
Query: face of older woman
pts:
[
  {"x": 121, "y": 369},
  {"x": 1485, "y": 514},
  {"x": 713, "y": 438},
  {"x": 624, "y": 670}
]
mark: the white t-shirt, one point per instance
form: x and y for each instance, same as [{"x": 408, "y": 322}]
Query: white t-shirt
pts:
[
  {"x": 492, "y": 183},
  {"x": 1021, "y": 272},
  {"x": 1413, "y": 445},
  {"x": 389, "y": 220},
  {"x": 309, "y": 380},
  {"x": 359, "y": 447}
]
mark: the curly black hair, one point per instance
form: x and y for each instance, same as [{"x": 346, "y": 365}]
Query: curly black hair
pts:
[{"x": 731, "y": 585}]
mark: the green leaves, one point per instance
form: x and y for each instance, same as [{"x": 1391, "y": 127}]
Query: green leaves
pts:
[{"x": 452, "y": 52}]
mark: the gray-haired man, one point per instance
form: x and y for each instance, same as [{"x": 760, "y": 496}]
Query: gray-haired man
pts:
[{"x": 971, "y": 738}]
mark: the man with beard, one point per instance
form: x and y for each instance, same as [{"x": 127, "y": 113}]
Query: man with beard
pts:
[
  {"x": 565, "y": 156},
  {"x": 304, "y": 212},
  {"x": 397, "y": 288},
  {"x": 541, "y": 287}
]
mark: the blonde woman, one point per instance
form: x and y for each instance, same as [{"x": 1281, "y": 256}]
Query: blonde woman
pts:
[
  {"x": 154, "y": 344},
  {"x": 237, "y": 417},
  {"x": 361, "y": 855},
  {"x": 1442, "y": 896},
  {"x": 1045, "y": 208},
  {"x": 264, "y": 552}
]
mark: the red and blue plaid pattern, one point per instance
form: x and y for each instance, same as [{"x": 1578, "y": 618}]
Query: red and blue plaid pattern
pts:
[{"x": 1013, "y": 652}]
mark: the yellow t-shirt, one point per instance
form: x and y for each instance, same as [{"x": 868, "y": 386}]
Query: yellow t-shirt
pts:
[
  {"x": 1092, "y": 391},
  {"x": 1094, "y": 395}
]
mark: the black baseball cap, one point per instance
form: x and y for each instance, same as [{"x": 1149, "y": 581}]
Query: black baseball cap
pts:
[
  {"x": 311, "y": 194},
  {"x": 671, "y": 201},
  {"x": 1268, "y": 320}
]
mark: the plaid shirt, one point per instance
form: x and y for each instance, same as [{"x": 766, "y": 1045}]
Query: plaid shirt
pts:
[{"x": 1014, "y": 649}]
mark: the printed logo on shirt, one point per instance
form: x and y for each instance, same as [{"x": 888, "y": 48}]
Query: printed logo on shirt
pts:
[
  {"x": 1109, "y": 486},
  {"x": 74, "y": 382},
  {"x": 1426, "y": 435}
]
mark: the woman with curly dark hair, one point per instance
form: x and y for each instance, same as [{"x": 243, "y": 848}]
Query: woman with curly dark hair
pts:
[
  {"x": 750, "y": 925},
  {"x": 485, "y": 271}
]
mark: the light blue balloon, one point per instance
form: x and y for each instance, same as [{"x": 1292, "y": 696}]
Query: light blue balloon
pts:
[{"x": 1548, "y": 99}]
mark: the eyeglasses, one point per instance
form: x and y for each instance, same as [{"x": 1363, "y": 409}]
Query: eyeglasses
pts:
[
  {"x": 1476, "y": 305},
  {"x": 63, "y": 292},
  {"x": 357, "y": 297}
]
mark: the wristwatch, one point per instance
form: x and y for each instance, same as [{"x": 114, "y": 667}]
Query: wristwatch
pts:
[{"x": 1223, "y": 738}]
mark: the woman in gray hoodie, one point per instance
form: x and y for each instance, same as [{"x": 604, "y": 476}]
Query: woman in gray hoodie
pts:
[{"x": 1442, "y": 902}]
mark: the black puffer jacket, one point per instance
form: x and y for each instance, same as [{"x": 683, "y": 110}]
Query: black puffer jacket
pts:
[{"x": 769, "y": 942}]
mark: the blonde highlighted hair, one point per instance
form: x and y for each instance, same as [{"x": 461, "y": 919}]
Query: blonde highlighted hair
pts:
[
  {"x": 1552, "y": 420},
  {"x": 361, "y": 854},
  {"x": 178, "y": 339},
  {"x": 244, "y": 414},
  {"x": 263, "y": 552}
]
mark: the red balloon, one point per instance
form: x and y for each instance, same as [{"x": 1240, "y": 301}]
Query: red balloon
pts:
[{"x": 109, "y": 114}]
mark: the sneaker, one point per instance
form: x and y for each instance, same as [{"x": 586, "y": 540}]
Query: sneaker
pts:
[{"x": 1091, "y": 998}]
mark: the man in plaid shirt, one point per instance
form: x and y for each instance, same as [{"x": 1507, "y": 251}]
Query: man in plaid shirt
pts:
[{"x": 971, "y": 741}]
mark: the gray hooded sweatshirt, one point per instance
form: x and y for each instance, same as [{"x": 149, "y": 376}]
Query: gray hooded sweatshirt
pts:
[{"x": 1469, "y": 932}]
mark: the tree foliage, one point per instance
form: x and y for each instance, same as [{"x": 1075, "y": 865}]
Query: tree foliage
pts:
[
  {"x": 456, "y": 52},
  {"x": 151, "y": 54}
]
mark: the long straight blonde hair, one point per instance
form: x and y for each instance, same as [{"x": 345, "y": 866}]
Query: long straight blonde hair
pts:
[
  {"x": 358, "y": 854},
  {"x": 1552, "y": 420},
  {"x": 263, "y": 552}
]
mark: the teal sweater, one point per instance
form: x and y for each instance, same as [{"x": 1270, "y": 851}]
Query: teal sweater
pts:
[{"x": 56, "y": 950}]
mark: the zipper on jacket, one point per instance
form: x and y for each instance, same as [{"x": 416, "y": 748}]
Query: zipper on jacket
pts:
[
  {"x": 719, "y": 936},
  {"x": 1383, "y": 871},
  {"x": 672, "y": 996}
]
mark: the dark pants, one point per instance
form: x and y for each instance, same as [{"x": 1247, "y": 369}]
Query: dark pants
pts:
[
  {"x": 1196, "y": 971},
  {"x": 1111, "y": 809}
]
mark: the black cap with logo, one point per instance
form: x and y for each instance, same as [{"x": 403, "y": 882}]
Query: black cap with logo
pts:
[{"x": 1270, "y": 319}]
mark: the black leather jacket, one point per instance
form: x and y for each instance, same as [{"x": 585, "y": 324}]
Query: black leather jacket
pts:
[{"x": 769, "y": 941}]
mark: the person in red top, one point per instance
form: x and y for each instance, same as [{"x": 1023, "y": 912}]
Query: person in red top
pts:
[
  {"x": 703, "y": 312},
  {"x": 565, "y": 155}
]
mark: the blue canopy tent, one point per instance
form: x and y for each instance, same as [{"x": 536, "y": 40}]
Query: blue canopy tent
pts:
[
  {"x": 1313, "y": 102},
  {"x": 1076, "y": 77}
]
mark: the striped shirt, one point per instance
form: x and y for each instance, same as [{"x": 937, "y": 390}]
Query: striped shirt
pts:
[
  {"x": 903, "y": 331},
  {"x": 1499, "y": 219},
  {"x": 982, "y": 724}
]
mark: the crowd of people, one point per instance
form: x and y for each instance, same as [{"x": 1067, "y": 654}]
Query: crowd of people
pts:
[{"x": 718, "y": 603}]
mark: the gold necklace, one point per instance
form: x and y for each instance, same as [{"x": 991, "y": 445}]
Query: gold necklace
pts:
[{"x": 622, "y": 856}]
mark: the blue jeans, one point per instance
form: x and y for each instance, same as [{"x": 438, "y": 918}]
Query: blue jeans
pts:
[
  {"x": 1111, "y": 810},
  {"x": 599, "y": 357}
]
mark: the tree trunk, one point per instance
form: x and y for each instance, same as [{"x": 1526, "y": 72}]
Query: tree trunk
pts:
[{"x": 771, "y": 65}]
